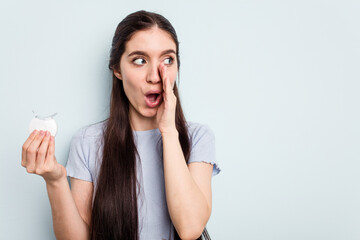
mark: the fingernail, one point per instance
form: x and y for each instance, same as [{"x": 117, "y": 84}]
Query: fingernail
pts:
[
  {"x": 47, "y": 133},
  {"x": 42, "y": 133}
]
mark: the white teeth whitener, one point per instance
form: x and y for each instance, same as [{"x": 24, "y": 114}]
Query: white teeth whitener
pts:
[{"x": 43, "y": 123}]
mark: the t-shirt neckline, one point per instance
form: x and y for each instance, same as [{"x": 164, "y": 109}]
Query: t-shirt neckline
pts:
[{"x": 147, "y": 132}]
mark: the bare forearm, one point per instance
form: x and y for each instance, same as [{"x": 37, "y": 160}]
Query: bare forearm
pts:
[
  {"x": 187, "y": 205},
  {"x": 67, "y": 221}
]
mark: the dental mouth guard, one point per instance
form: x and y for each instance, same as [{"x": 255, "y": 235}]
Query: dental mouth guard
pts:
[{"x": 43, "y": 123}]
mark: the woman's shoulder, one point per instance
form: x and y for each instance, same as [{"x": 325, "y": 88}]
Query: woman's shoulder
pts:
[
  {"x": 198, "y": 130},
  {"x": 92, "y": 131}
]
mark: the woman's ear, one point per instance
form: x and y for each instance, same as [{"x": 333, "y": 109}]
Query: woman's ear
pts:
[{"x": 117, "y": 74}]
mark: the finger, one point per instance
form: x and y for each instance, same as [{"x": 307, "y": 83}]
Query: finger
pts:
[
  {"x": 32, "y": 151},
  {"x": 41, "y": 154},
  {"x": 169, "y": 90},
  {"x": 51, "y": 151},
  {"x": 163, "y": 76},
  {"x": 26, "y": 145}
]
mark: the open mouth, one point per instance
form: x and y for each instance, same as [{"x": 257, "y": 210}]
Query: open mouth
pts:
[
  {"x": 153, "y": 100},
  {"x": 153, "y": 97}
]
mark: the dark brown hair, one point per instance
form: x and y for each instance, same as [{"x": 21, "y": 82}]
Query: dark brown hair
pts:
[{"x": 114, "y": 210}]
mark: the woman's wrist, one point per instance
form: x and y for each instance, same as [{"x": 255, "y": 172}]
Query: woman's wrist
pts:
[
  {"x": 170, "y": 133},
  {"x": 56, "y": 182}
]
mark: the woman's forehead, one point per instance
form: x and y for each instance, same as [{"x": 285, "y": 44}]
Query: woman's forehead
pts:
[{"x": 153, "y": 40}]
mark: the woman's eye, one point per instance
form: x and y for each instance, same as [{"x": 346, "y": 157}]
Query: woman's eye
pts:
[
  {"x": 139, "y": 61},
  {"x": 169, "y": 60}
]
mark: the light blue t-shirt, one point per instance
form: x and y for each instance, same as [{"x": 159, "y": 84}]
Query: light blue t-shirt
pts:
[{"x": 84, "y": 163}]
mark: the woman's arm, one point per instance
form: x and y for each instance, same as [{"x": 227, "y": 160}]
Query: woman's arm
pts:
[
  {"x": 67, "y": 222},
  {"x": 188, "y": 189},
  {"x": 38, "y": 157}
]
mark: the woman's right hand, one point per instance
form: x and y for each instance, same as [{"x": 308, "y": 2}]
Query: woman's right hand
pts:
[{"x": 38, "y": 156}]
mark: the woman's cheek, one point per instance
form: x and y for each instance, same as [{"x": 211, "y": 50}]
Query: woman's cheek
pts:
[
  {"x": 129, "y": 90},
  {"x": 173, "y": 81},
  {"x": 172, "y": 76}
]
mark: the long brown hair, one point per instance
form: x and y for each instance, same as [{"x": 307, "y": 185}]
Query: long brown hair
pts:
[{"x": 114, "y": 210}]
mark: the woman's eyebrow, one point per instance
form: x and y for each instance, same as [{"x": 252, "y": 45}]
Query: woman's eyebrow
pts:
[{"x": 146, "y": 55}]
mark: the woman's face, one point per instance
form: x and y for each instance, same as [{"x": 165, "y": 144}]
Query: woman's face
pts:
[{"x": 139, "y": 70}]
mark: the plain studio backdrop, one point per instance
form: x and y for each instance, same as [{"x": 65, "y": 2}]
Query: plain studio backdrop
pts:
[{"x": 277, "y": 81}]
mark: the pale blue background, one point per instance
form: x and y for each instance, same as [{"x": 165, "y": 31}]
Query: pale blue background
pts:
[{"x": 277, "y": 81}]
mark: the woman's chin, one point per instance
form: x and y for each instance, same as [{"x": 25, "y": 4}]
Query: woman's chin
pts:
[{"x": 149, "y": 112}]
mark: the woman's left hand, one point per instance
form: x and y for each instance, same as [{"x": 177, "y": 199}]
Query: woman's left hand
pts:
[{"x": 165, "y": 116}]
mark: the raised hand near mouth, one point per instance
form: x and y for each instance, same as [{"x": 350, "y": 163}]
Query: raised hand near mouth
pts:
[{"x": 165, "y": 116}]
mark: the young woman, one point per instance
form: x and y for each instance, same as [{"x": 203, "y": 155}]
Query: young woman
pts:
[{"x": 143, "y": 173}]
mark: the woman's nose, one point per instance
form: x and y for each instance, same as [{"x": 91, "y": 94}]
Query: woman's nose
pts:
[{"x": 154, "y": 74}]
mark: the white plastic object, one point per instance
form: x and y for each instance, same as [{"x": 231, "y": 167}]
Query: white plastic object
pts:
[{"x": 43, "y": 123}]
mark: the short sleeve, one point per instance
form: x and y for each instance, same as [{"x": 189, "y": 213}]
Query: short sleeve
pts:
[
  {"x": 203, "y": 146},
  {"x": 77, "y": 165}
]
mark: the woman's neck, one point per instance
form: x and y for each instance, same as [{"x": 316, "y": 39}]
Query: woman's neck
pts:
[{"x": 141, "y": 123}]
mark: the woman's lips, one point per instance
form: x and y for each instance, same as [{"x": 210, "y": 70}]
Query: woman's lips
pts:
[{"x": 153, "y": 100}]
